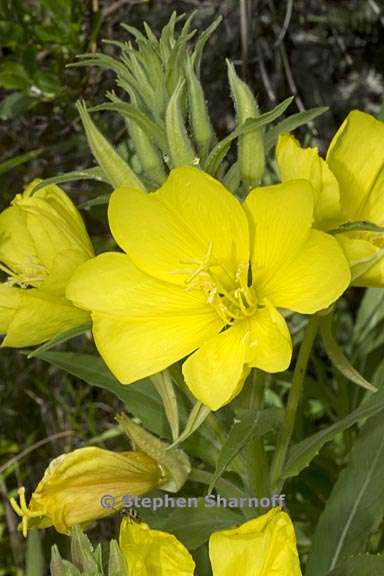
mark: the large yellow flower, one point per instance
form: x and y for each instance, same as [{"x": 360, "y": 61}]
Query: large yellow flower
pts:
[
  {"x": 203, "y": 272},
  {"x": 348, "y": 186},
  {"x": 42, "y": 241},
  {"x": 261, "y": 547},
  {"x": 85, "y": 485}
]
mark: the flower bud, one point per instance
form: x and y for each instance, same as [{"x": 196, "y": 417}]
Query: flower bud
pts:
[
  {"x": 173, "y": 461},
  {"x": 180, "y": 147},
  {"x": 42, "y": 241},
  {"x": 85, "y": 485},
  {"x": 251, "y": 145}
]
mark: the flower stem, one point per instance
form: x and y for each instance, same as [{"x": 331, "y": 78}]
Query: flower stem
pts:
[{"x": 292, "y": 403}]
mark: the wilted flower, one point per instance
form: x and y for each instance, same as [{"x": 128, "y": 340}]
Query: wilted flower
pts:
[
  {"x": 186, "y": 281},
  {"x": 42, "y": 241},
  {"x": 74, "y": 484},
  {"x": 348, "y": 185}
]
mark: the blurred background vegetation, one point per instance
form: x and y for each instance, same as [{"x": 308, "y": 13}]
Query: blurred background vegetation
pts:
[{"x": 323, "y": 52}]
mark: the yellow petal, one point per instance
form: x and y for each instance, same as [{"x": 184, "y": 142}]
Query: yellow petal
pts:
[
  {"x": 39, "y": 317},
  {"x": 280, "y": 218},
  {"x": 260, "y": 547},
  {"x": 215, "y": 373},
  {"x": 313, "y": 278},
  {"x": 17, "y": 249},
  {"x": 269, "y": 341},
  {"x": 295, "y": 162},
  {"x": 358, "y": 251},
  {"x": 141, "y": 325},
  {"x": 190, "y": 221},
  {"x": 356, "y": 158},
  {"x": 152, "y": 552},
  {"x": 9, "y": 303},
  {"x": 73, "y": 485}
]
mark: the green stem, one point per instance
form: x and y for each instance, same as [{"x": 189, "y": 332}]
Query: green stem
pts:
[
  {"x": 293, "y": 403},
  {"x": 257, "y": 462}
]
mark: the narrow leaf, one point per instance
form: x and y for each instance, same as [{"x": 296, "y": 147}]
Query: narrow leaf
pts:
[
  {"x": 61, "y": 338},
  {"x": 88, "y": 174},
  {"x": 291, "y": 123},
  {"x": 362, "y": 565},
  {"x": 197, "y": 416}
]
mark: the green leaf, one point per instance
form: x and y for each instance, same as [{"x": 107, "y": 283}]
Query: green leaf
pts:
[
  {"x": 301, "y": 454},
  {"x": 362, "y": 565},
  {"x": 15, "y": 105},
  {"x": 254, "y": 423},
  {"x": 11, "y": 163},
  {"x": 356, "y": 506},
  {"x": 99, "y": 200},
  {"x": 197, "y": 416},
  {"x": 291, "y": 123},
  {"x": 60, "y": 338},
  {"x": 34, "y": 556},
  {"x": 87, "y": 174},
  {"x": 337, "y": 356},
  {"x": 193, "y": 526}
]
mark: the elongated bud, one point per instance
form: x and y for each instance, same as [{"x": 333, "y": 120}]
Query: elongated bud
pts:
[
  {"x": 203, "y": 133},
  {"x": 251, "y": 145},
  {"x": 180, "y": 147},
  {"x": 117, "y": 171},
  {"x": 150, "y": 157},
  {"x": 174, "y": 462},
  {"x": 117, "y": 565}
]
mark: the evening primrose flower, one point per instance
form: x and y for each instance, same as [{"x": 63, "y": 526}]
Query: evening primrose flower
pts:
[
  {"x": 42, "y": 241},
  {"x": 348, "y": 186},
  {"x": 260, "y": 547},
  {"x": 206, "y": 275},
  {"x": 72, "y": 489}
]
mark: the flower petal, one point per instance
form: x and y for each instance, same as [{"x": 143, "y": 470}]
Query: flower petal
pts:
[
  {"x": 356, "y": 157},
  {"x": 141, "y": 325},
  {"x": 41, "y": 316},
  {"x": 260, "y": 547},
  {"x": 153, "y": 552},
  {"x": 280, "y": 218},
  {"x": 296, "y": 162},
  {"x": 269, "y": 341},
  {"x": 190, "y": 220},
  {"x": 313, "y": 278},
  {"x": 215, "y": 372},
  {"x": 9, "y": 303}
]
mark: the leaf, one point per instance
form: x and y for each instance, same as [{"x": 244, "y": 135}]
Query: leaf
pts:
[
  {"x": 336, "y": 355},
  {"x": 362, "y": 565},
  {"x": 87, "y": 174},
  {"x": 291, "y": 123},
  {"x": 11, "y": 163},
  {"x": 99, "y": 200},
  {"x": 356, "y": 506},
  {"x": 197, "y": 416},
  {"x": 15, "y": 105},
  {"x": 301, "y": 454},
  {"x": 60, "y": 338},
  {"x": 193, "y": 525},
  {"x": 253, "y": 423},
  {"x": 141, "y": 398},
  {"x": 221, "y": 149}
]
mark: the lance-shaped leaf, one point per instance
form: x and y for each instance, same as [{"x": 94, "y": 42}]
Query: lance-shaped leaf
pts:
[
  {"x": 356, "y": 506},
  {"x": 291, "y": 123},
  {"x": 195, "y": 419},
  {"x": 117, "y": 171},
  {"x": 337, "y": 356},
  {"x": 361, "y": 565},
  {"x": 87, "y": 174}
]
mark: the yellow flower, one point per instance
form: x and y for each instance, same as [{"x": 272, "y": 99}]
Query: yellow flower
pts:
[
  {"x": 260, "y": 547},
  {"x": 72, "y": 489},
  {"x": 349, "y": 186},
  {"x": 153, "y": 552},
  {"x": 203, "y": 272},
  {"x": 42, "y": 241}
]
